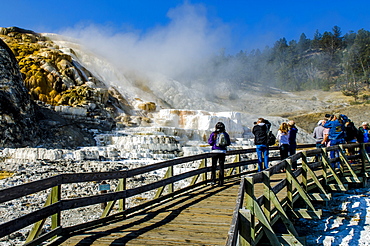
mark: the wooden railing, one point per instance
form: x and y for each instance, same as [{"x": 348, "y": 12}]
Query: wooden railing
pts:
[
  {"x": 55, "y": 203},
  {"x": 255, "y": 216}
]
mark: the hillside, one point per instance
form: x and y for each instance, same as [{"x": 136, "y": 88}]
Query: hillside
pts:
[{"x": 77, "y": 90}]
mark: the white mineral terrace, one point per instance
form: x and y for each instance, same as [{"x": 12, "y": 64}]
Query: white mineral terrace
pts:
[{"x": 174, "y": 133}]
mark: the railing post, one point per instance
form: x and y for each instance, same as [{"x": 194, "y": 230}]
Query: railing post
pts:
[
  {"x": 245, "y": 219},
  {"x": 325, "y": 164},
  {"x": 289, "y": 181},
  {"x": 304, "y": 170},
  {"x": 237, "y": 159},
  {"x": 37, "y": 227},
  {"x": 55, "y": 197},
  {"x": 365, "y": 158},
  {"x": 122, "y": 187},
  {"x": 169, "y": 174},
  {"x": 170, "y": 186},
  {"x": 266, "y": 194},
  {"x": 203, "y": 164},
  {"x": 249, "y": 205},
  {"x": 204, "y": 175}
]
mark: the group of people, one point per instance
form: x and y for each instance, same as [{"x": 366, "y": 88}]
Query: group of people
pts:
[
  {"x": 286, "y": 138},
  {"x": 220, "y": 139},
  {"x": 330, "y": 131},
  {"x": 334, "y": 130}
]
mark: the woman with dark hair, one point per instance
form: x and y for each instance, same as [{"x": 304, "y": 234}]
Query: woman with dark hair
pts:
[
  {"x": 292, "y": 133},
  {"x": 219, "y": 140},
  {"x": 260, "y": 131}
]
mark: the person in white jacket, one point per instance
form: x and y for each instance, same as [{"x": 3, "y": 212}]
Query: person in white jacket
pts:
[{"x": 283, "y": 138}]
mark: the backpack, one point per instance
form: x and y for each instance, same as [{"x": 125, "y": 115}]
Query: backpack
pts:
[
  {"x": 271, "y": 139},
  {"x": 221, "y": 140}
]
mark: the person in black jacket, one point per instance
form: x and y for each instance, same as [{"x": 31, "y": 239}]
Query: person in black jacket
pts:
[{"x": 260, "y": 132}]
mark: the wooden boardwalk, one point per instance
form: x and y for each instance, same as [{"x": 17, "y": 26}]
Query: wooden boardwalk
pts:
[
  {"x": 199, "y": 217},
  {"x": 246, "y": 209}
]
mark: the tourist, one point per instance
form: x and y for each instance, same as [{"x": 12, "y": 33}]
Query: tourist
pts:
[
  {"x": 351, "y": 136},
  {"x": 336, "y": 136},
  {"x": 318, "y": 134},
  {"x": 292, "y": 133},
  {"x": 283, "y": 138},
  {"x": 327, "y": 117},
  {"x": 219, "y": 140},
  {"x": 364, "y": 135},
  {"x": 351, "y": 132},
  {"x": 260, "y": 131}
]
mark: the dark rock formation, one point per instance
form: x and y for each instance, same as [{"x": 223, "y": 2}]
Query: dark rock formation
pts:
[
  {"x": 18, "y": 124},
  {"x": 25, "y": 123}
]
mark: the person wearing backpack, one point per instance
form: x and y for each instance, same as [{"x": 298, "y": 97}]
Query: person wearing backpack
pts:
[
  {"x": 260, "y": 131},
  {"x": 219, "y": 140}
]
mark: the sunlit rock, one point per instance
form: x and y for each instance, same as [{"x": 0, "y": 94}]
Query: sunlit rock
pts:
[
  {"x": 71, "y": 110},
  {"x": 200, "y": 120}
]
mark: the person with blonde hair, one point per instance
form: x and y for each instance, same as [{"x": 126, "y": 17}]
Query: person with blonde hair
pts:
[{"x": 283, "y": 138}]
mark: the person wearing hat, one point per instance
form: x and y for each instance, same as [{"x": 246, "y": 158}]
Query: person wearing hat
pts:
[
  {"x": 364, "y": 136},
  {"x": 219, "y": 140}
]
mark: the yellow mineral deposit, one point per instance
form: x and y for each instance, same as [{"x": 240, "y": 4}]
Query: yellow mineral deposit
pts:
[{"x": 5, "y": 174}]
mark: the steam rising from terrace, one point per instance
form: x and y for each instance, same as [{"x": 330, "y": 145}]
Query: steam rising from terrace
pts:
[{"x": 187, "y": 41}]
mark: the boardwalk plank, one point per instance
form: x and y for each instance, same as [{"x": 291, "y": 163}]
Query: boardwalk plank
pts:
[{"x": 200, "y": 217}]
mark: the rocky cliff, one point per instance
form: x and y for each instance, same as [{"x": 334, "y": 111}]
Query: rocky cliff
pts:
[
  {"x": 46, "y": 98},
  {"x": 18, "y": 120}
]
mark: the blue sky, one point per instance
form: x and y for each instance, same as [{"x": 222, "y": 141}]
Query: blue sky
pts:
[{"x": 245, "y": 24}]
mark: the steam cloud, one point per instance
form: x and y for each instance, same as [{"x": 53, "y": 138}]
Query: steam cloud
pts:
[{"x": 181, "y": 46}]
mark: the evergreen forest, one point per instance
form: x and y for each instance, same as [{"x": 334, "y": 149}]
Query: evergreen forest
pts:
[{"x": 329, "y": 61}]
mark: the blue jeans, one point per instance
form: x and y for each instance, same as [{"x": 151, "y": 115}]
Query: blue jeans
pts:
[
  {"x": 319, "y": 145},
  {"x": 335, "y": 153},
  {"x": 263, "y": 156}
]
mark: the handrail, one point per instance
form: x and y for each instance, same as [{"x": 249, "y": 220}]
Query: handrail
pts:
[
  {"x": 59, "y": 205},
  {"x": 253, "y": 217}
]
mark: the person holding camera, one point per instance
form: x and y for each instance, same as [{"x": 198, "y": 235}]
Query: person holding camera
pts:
[{"x": 336, "y": 135}]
